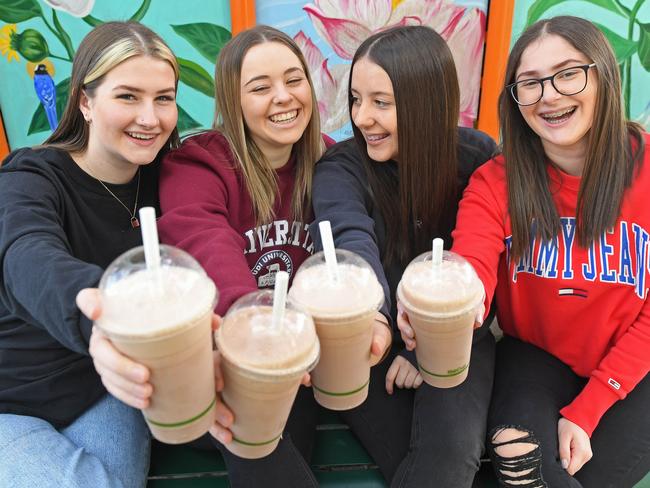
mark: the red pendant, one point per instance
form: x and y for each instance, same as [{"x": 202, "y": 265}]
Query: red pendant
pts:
[{"x": 135, "y": 223}]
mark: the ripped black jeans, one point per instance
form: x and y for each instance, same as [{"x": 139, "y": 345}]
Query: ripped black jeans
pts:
[{"x": 530, "y": 387}]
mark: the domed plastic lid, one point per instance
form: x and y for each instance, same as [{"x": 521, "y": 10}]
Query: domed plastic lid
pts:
[
  {"x": 449, "y": 288},
  {"x": 249, "y": 338},
  {"x": 139, "y": 302},
  {"x": 352, "y": 289}
]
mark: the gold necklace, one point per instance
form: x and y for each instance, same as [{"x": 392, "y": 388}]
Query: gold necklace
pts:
[{"x": 135, "y": 223}]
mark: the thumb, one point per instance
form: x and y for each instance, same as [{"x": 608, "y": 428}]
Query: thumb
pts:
[
  {"x": 89, "y": 302},
  {"x": 564, "y": 440}
]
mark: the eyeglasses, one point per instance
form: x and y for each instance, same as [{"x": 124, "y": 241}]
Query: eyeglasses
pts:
[{"x": 569, "y": 81}]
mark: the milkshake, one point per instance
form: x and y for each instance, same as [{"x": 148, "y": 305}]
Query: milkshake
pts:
[
  {"x": 441, "y": 301},
  {"x": 263, "y": 363},
  {"x": 343, "y": 308},
  {"x": 162, "y": 319}
]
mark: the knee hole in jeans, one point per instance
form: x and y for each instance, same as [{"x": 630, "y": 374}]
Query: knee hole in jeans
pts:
[{"x": 517, "y": 457}]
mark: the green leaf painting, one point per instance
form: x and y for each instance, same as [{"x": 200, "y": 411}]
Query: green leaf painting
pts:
[
  {"x": 39, "y": 119},
  {"x": 141, "y": 11},
  {"x": 207, "y": 39},
  {"x": 537, "y": 9},
  {"x": 14, "y": 11},
  {"x": 196, "y": 77},
  {"x": 185, "y": 121},
  {"x": 623, "y": 48},
  {"x": 644, "y": 46}
]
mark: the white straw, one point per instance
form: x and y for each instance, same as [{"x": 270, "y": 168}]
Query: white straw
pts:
[
  {"x": 328, "y": 248},
  {"x": 436, "y": 251},
  {"x": 150, "y": 238},
  {"x": 280, "y": 297}
]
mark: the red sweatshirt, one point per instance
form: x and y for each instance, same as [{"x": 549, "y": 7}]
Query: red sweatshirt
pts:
[
  {"x": 207, "y": 211},
  {"x": 587, "y": 307}
]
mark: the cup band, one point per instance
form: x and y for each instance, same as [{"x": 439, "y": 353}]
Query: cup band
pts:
[
  {"x": 182, "y": 423},
  {"x": 256, "y": 444},
  {"x": 450, "y": 373},
  {"x": 346, "y": 393}
]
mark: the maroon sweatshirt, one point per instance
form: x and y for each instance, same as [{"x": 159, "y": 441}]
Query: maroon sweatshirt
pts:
[{"x": 208, "y": 212}]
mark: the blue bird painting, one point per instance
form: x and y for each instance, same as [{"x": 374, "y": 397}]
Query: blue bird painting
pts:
[{"x": 46, "y": 93}]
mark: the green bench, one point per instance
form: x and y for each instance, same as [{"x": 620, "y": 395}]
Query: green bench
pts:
[{"x": 338, "y": 461}]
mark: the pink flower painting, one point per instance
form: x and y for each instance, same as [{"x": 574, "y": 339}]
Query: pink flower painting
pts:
[{"x": 344, "y": 24}]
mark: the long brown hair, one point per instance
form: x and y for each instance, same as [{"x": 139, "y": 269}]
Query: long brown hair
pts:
[
  {"x": 259, "y": 176},
  {"x": 427, "y": 98},
  {"x": 105, "y": 47},
  {"x": 610, "y": 159}
]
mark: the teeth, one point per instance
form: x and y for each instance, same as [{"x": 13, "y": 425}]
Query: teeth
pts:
[
  {"x": 558, "y": 114},
  {"x": 375, "y": 137},
  {"x": 143, "y": 137},
  {"x": 284, "y": 117}
]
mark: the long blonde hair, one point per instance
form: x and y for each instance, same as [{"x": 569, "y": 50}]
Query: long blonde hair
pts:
[
  {"x": 101, "y": 50},
  {"x": 259, "y": 176}
]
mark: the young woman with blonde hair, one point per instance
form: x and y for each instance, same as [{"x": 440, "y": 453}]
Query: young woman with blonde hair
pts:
[
  {"x": 238, "y": 198},
  {"x": 68, "y": 208}
]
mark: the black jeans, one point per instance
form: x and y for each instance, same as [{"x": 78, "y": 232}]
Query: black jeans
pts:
[
  {"x": 429, "y": 436},
  {"x": 531, "y": 386}
]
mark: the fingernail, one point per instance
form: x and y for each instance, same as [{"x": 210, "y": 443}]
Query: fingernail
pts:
[{"x": 565, "y": 463}]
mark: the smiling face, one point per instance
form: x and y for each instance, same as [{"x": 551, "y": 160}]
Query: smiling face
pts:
[
  {"x": 276, "y": 98},
  {"x": 373, "y": 109},
  {"x": 130, "y": 116},
  {"x": 562, "y": 122}
]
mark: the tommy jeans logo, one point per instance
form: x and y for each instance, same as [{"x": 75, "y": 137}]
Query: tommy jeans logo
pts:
[
  {"x": 573, "y": 292},
  {"x": 620, "y": 255},
  {"x": 614, "y": 384}
]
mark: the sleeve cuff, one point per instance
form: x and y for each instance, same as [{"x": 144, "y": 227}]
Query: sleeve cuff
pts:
[
  {"x": 590, "y": 405},
  {"x": 86, "y": 327},
  {"x": 409, "y": 356}
]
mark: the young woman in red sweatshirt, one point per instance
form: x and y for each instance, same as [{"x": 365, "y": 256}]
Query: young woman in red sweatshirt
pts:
[{"x": 557, "y": 229}]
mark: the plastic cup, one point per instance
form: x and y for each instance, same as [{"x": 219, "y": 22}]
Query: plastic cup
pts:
[
  {"x": 441, "y": 301},
  {"x": 162, "y": 318},
  {"x": 263, "y": 363},
  {"x": 343, "y": 306}
]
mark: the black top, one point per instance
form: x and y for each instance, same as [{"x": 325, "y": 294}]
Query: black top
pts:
[
  {"x": 342, "y": 195},
  {"x": 59, "y": 228}
]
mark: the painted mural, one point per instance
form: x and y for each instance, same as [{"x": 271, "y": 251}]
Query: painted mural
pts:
[
  {"x": 38, "y": 41},
  {"x": 329, "y": 31},
  {"x": 626, "y": 23}
]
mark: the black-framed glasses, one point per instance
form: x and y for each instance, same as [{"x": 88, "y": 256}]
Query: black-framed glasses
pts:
[{"x": 569, "y": 81}]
